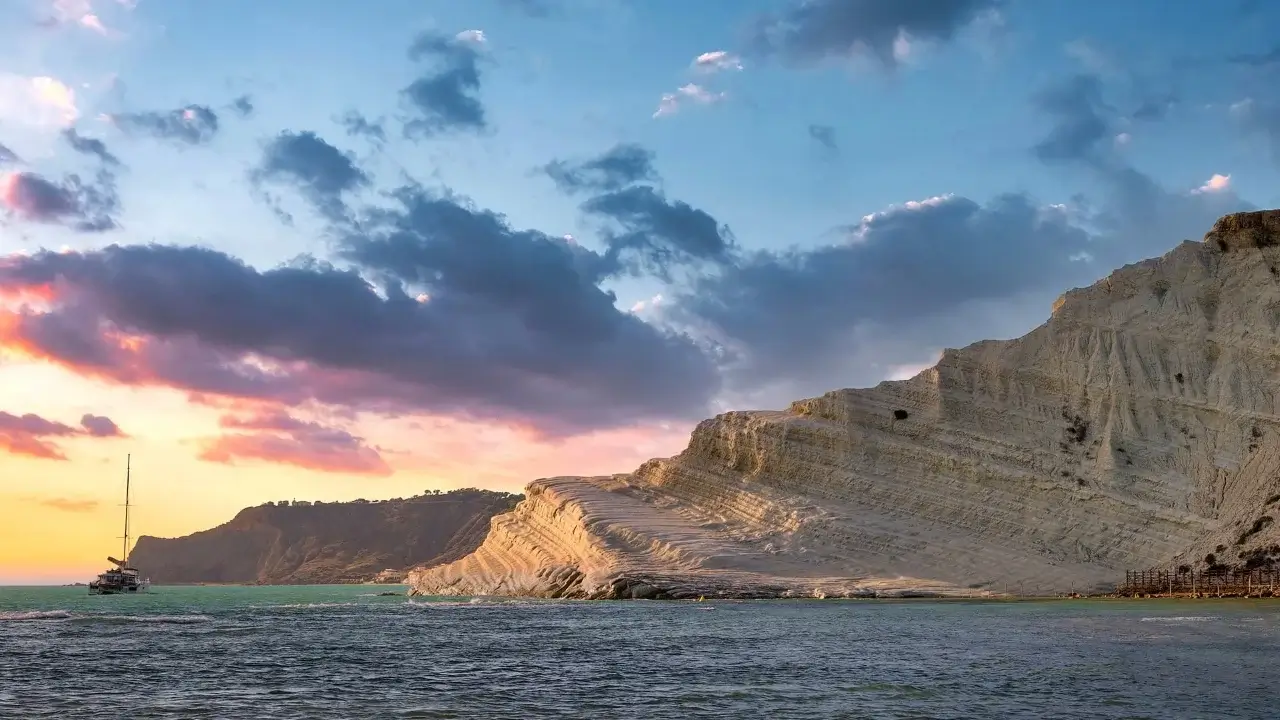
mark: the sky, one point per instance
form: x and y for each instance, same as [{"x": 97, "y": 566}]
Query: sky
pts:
[{"x": 336, "y": 250}]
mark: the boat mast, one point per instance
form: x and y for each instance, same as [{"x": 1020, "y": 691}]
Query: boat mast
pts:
[{"x": 125, "y": 553}]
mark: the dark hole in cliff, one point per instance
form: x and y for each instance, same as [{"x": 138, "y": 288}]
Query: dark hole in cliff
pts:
[
  {"x": 1081, "y": 482},
  {"x": 1066, "y": 474},
  {"x": 1273, "y": 270},
  {"x": 1210, "y": 559},
  {"x": 1119, "y": 449},
  {"x": 1077, "y": 429},
  {"x": 1178, "y": 377},
  {"x": 1255, "y": 432},
  {"x": 1222, "y": 244},
  {"x": 1184, "y": 569},
  {"x": 1221, "y": 548},
  {"x": 901, "y": 414},
  {"x": 1272, "y": 499}
]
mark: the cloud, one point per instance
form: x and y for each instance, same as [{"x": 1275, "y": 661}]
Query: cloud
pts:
[
  {"x": 1265, "y": 59},
  {"x": 643, "y": 222},
  {"x": 716, "y": 61},
  {"x": 445, "y": 99},
  {"x": 812, "y": 31},
  {"x": 34, "y": 436},
  {"x": 8, "y": 157},
  {"x": 358, "y": 125},
  {"x": 243, "y": 106},
  {"x": 516, "y": 328},
  {"x": 1260, "y": 117},
  {"x": 277, "y": 437},
  {"x": 190, "y": 125},
  {"x": 1217, "y": 183},
  {"x": 660, "y": 231},
  {"x": 1080, "y": 120},
  {"x": 89, "y": 146},
  {"x": 69, "y": 504},
  {"x": 320, "y": 171},
  {"x": 39, "y": 102},
  {"x": 623, "y": 164},
  {"x": 81, "y": 206},
  {"x": 1155, "y": 107},
  {"x": 691, "y": 93},
  {"x": 540, "y": 9},
  {"x": 794, "y": 313},
  {"x": 825, "y": 135},
  {"x": 100, "y": 427}
]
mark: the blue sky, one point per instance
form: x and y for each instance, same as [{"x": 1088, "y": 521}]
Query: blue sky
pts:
[{"x": 841, "y": 189}]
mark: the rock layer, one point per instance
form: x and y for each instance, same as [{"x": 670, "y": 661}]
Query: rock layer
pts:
[
  {"x": 307, "y": 543},
  {"x": 1135, "y": 428}
]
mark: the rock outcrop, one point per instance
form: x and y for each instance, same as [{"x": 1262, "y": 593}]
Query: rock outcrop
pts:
[
  {"x": 309, "y": 543},
  {"x": 1136, "y": 428}
]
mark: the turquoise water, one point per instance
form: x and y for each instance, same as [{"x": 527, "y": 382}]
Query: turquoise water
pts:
[{"x": 343, "y": 652}]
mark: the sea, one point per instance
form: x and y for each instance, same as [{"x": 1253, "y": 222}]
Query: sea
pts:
[{"x": 348, "y": 652}]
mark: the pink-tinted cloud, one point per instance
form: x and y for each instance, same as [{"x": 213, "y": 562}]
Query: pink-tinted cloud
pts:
[
  {"x": 198, "y": 321},
  {"x": 34, "y": 436},
  {"x": 277, "y": 437},
  {"x": 72, "y": 202}
]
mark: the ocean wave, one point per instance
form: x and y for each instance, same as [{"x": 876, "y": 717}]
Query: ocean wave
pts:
[
  {"x": 1181, "y": 618},
  {"x": 306, "y": 606},
  {"x": 158, "y": 619},
  {"x": 28, "y": 615},
  {"x": 479, "y": 602}
]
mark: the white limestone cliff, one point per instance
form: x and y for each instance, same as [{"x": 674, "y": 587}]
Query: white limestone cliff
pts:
[{"x": 1136, "y": 428}]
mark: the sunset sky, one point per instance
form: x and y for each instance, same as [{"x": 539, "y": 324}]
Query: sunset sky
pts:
[{"x": 331, "y": 250}]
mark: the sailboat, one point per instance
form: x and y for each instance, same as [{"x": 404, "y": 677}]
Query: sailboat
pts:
[{"x": 121, "y": 578}]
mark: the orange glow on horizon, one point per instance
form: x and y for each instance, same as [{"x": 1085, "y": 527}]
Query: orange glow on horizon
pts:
[{"x": 59, "y": 519}]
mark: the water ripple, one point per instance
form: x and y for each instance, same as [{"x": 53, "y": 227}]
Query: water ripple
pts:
[{"x": 326, "y": 652}]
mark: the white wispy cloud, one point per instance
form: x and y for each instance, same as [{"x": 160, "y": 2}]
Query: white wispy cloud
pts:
[
  {"x": 717, "y": 60},
  {"x": 690, "y": 93}
]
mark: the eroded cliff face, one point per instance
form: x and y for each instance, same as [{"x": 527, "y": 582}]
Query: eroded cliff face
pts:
[
  {"x": 1137, "y": 427},
  {"x": 325, "y": 542}
]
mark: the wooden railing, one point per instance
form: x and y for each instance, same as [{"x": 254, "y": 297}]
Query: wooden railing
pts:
[{"x": 1218, "y": 581}]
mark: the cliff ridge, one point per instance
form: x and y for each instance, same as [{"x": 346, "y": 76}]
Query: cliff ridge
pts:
[
  {"x": 1135, "y": 428},
  {"x": 319, "y": 543}
]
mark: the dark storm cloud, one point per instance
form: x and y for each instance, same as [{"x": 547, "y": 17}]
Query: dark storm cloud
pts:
[
  {"x": 445, "y": 98},
  {"x": 191, "y": 125},
  {"x": 1081, "y": 120},
  {"x": 82, "y": 206},
  {"x": 824, "y": 135},
  {"x": 643, "y": 224},
  {"x": 89, "y": 146},
  {"x": 659, "y": 231},
  {"x": 623, "y": 164},
  {"x": 811, "y": 31},
  {"x": 785, "y": 313},
  {"x": 471, "y": 317},
  {"x": 322, "y": 172}
]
